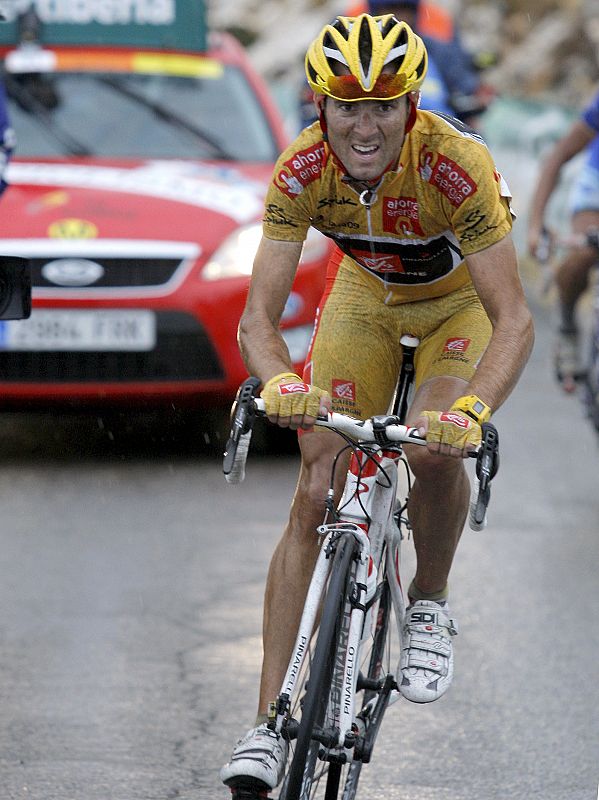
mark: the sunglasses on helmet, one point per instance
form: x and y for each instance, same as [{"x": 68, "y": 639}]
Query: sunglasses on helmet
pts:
[{"x": 347, "y": 87}]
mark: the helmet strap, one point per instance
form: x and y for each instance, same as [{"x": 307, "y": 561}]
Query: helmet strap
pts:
[
  {"x": 413, "y": 98},
  {"x": 319, "y": 101}
]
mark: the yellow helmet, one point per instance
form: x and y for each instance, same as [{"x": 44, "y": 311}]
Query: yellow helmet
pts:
[{"x": 384, "y": 56}]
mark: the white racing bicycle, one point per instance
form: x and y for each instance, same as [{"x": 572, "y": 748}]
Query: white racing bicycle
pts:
[{"x": 342, "y": 675}]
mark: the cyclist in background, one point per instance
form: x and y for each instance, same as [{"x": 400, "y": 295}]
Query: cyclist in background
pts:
[
  {"x": 572, "y": 273},
  {"x": 421, "y": 219}
]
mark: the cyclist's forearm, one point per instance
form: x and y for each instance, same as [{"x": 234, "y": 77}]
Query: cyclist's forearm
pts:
[
  {"x": 542, "y": 194},
  {"x": 263, "y": 348},
  {"x": 579, "y": 136},
  {"x": 504, "y": 359}
]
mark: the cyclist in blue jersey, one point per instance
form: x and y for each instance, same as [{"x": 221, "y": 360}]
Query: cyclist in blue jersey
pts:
[{"x": 572, "y": 274}]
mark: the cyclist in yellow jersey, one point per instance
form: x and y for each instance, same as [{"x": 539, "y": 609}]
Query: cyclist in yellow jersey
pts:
[{"x": 422, "y": 222}]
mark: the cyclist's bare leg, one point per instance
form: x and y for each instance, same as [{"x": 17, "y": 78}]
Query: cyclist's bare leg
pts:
[
  {"x": 438, "y": 503},
  {"x": 572, "y": 274},
  {"x": 572, "y": 278},
  {"x": 293, "y": 560}
]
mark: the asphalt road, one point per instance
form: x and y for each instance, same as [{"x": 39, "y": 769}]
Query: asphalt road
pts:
[{"x": 131, "y": 584}]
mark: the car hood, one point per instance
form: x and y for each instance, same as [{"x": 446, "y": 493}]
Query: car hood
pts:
[{"x": 158, "y": 200}]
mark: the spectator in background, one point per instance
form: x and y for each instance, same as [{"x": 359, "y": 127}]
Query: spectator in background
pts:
[{"x": 573, "y": 271}]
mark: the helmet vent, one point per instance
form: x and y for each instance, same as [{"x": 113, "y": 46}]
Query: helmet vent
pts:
[
  {"x": 313, "y": 75},
  {"x": 391, "y": 23},
  {"x": 365, "y": 52},
  {"x": 343, "y": 29},
  {"x": 332, "y": 52},
  {"x": 397, "y": 54}
]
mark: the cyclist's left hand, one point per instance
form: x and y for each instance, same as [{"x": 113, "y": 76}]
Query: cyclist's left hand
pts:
[{"x": 449, "y": 433}]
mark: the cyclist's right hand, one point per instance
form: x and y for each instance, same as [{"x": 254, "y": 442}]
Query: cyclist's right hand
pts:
[
  {"x": 540, "y": 243},
  {"x": 291, "y": 403}
]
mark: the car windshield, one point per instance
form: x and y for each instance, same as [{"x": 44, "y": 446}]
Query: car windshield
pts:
[{"x": 133, "y": 115}]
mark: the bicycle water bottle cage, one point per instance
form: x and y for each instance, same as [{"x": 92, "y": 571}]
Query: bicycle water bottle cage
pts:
[{"x": 379, "y": 427}]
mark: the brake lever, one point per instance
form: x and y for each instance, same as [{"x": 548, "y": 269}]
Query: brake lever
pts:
[
  {"x": 487, "y": 461},
  {"x": 243, "y": 415},
  {"x": 487, "y": 464}
]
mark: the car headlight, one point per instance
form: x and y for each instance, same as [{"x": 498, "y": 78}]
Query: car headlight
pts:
[{"x": 235, "y": 257}]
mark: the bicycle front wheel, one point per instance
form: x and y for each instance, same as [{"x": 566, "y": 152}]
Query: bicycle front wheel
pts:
[
  {"x": 318, "y": 770},
  {"x": 306, "y": 773}
]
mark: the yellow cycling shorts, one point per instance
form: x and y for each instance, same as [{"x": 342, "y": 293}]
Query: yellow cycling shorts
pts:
[{"x": 355, "y": 352}]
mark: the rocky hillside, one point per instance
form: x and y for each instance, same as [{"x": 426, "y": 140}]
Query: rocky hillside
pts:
[{"x": 545, "y": 49}]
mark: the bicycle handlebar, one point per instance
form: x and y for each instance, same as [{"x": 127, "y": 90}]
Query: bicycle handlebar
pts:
[{"x": 381, "y": 429}]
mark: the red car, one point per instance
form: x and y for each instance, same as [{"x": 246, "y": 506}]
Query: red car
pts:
[{"x": 136, "y": 192}]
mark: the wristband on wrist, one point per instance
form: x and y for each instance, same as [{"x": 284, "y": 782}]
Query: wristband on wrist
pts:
[{"x": 473, "y": 407}]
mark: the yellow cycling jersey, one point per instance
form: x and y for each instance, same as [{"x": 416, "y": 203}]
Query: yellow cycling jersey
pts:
[{"x": 445, "y": 200}]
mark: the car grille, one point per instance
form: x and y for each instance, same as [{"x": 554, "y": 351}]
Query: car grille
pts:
[
  {"x": 118, "y": 273},
  {"x": 183, "y": 352}
]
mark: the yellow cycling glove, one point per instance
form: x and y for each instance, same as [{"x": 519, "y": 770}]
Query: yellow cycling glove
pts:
[
  {"x": 460, "y": 427},
  {"x": 286, "y": 395}
]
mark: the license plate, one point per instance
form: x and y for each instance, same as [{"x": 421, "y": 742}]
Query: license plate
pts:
[{"x": 131, "y": 330}]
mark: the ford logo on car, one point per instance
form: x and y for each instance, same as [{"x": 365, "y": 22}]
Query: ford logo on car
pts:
[{"x": 72, "y": 272}]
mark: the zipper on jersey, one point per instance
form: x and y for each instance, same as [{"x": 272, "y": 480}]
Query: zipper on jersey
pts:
[{"x": 367, "y": 199}]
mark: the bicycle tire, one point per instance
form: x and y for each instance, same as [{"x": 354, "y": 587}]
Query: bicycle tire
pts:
[
  {"x": 299, "y": 779},
  {"x": 591, "y": 387}
]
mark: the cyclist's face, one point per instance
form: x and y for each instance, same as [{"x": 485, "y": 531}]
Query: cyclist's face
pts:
[{"x": 367, "y": 135}]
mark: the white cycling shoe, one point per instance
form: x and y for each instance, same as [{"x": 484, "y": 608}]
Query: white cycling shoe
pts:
[
  {"x": 426, "y": 662},
  {"x": 257, "y": 762}
]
